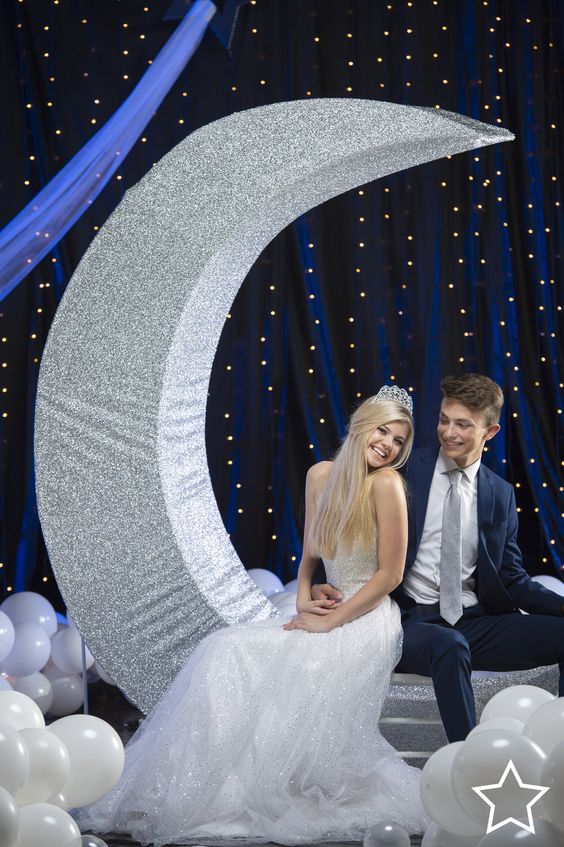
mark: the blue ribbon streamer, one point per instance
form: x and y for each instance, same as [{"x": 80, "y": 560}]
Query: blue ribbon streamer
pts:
[{"x": 42, "y": 223}]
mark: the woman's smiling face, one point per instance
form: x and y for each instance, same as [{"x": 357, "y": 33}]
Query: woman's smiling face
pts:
[{"x": 385, "y": 443}]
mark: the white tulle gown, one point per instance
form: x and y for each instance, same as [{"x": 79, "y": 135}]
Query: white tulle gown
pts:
[{"x": 271, "y": 735}]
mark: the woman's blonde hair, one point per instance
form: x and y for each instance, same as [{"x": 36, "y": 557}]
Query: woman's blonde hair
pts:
[{"x": 344, "y": 512}]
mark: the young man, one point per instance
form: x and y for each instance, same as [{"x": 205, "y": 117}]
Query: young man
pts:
[{"x": 464, "y": 583}]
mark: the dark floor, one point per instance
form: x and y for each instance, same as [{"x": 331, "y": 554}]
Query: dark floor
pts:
[{"x": 109, "y": 704}]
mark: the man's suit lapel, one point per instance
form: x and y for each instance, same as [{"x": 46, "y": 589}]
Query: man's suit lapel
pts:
[
  {"x": 486, "y": 501},
  {"x": 423, "y": 477},
  {"x": 486, "y": 497}
]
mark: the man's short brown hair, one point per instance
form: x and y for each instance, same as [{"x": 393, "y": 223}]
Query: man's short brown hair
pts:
[{"x": 478, "y": 392}]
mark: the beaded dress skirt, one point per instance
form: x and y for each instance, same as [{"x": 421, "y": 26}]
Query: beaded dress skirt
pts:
[{"x": 269, "y": 735}]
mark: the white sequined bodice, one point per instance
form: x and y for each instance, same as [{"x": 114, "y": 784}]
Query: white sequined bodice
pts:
[{"x": 350, "y": 569}]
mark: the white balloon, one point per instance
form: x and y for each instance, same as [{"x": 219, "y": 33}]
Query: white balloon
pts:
[
  {"x": 96, "y": 757},
  {"x": 60, "y": 800},
  {"x": 546, "y": 725},
  {"x": 30, "y": 607},
  {"x": 102, "y": 674},
  {"x": 92, "y": 676},
  {"x": 7, "y": 635},
  {"x": 545, "y": 835},
  {"x": 287, "y": 612},
  {"x": 14, "y": 759},
  {"x": 285, "y": 615},
  {"x": 9, "y": 819},
  {"x": 92, "y": 841},
  {"x": 553, "y": 776},
  {"x": 66, "y": 651},
  {"x": 482, "y": 760},
  {"x": 19, "y": 711},
  {"x": 386, "y": 834},
  {"x": 36, "y": 686},
  {"x": 68, "y": 691},
  {"x": 437, "y": 837},
  {"x": 281, "y": 595},
  {"x": 266, "y": 580},
  {"x": 45, "y": 825},
  {"x": 49, "y": 767},
  {"x": 70, "y": 620},
  {"x": 292, "y": 586},
  {"x": 287, "y": 604},
  {"x": 550, "y": 582},
  {"x": 4, "y": 684},
  {"x": 498, "y": 723},
  {"x": 31, "y": 650},
  {"x": 52, "y": 672},
  {"x": 518, "y": 701},
  {"x": 437, "y": 794}
]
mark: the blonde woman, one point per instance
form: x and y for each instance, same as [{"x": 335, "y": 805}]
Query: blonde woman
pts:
[{"x": 270, "y": 730}]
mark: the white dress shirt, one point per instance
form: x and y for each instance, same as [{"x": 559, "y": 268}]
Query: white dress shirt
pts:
[{"x": 423, "y": 580}]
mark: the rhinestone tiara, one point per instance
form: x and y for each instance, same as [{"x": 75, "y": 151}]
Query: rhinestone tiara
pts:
[{"x": 399, "y": 395}]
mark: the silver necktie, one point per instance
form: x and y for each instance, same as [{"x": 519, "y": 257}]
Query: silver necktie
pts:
[{"x": 450, "y": 595}]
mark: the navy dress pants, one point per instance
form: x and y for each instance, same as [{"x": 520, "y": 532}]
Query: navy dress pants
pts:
[{"x": 478, "y": 641}]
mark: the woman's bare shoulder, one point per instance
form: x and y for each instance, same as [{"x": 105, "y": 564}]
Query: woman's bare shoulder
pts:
[
  {"x": 386, "y": 480},
  {"x": 319, "y": 472}
]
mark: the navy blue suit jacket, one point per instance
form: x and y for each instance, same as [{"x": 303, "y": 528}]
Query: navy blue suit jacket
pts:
[{"x": 502, "y": 584}]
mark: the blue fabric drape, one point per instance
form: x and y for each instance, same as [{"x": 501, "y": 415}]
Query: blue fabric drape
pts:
[
  {"x": 443, "y": 269},
  {"x": 43, "y": 222}
]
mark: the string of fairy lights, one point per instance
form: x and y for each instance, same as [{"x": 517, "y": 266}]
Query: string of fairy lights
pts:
[{"x": 410, "y": 42}]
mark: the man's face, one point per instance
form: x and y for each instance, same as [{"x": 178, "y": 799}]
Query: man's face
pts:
[{"x": 463, "y": 432}]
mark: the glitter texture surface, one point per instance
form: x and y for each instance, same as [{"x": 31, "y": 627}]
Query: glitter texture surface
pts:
[
  {"x": 125, "y": 499},
  {"x": 420, "y": 701}
]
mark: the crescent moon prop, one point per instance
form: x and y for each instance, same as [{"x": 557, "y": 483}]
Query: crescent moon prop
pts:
[{"x": 126, "y": 504}]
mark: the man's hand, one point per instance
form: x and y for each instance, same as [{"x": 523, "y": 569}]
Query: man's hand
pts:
[
  {"x": 316, "y": 607},
  {"x": 310, "y": 623},
  {"x": 326, "y": 592}
]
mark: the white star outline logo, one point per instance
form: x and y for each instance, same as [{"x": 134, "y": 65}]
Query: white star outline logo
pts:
[{"x": 540, "y": 789}]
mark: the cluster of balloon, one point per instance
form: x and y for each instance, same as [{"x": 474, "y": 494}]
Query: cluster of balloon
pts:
[
  {"x": 41, "y": 654},
  {"x": 522, "y": 724},
  {"x": 46, "y": 770},
  {"x": 280, "y": 595}
]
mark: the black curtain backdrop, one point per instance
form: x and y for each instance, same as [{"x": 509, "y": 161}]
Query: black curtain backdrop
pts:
[{"x": 450, "y": 267}]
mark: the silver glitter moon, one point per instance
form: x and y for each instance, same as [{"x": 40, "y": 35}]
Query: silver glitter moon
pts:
[{"x": 125, "y": 499}]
